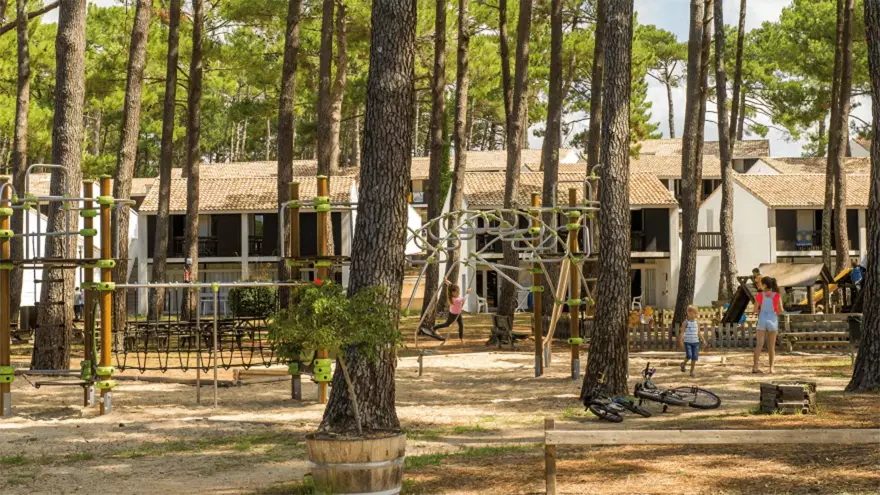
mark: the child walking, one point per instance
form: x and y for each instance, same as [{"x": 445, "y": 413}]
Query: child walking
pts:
[
  {"x": 768, "y": 306},
  {"x": 455, "y": 303},
  {"x": 689, "y": 339}
]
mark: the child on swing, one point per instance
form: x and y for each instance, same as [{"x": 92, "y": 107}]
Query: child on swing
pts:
[{"x": 455, "y": 304}]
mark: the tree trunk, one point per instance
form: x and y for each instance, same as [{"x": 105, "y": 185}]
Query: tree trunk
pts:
[
  {"x": 742, "y": 116},
  {"x": 833, "y": 142},
  {"x": 166, "y": 159},
  {"x": 355, "y": 159},
  {"x": 607, "y": 361},
  {"x": 3, "y": 11},
  {"x": 737, "y": 77},
  {"x": 380, "y": 234},
  {"x": 866, "y": 371},
  {"x": 55, "y": 318},
  {"x": 462, "y": 137},
  {"x": 690, "y": 163},
  {"x": 596, "y": 81},
  {"x": 821, "y": 141},
  {"x": 330, "y": 94},
  {"x": 435, "y": 168},
  {"x": 286, "y": 129},
  {"x": 671, "y": 111},
  {"x": 727, "y": 282},
  {"x": 20, "y": 149},
  {"x": 552, "y": 139},
  {"x": 515, "y": 129},
  {"x": 128, "y": 142},
  {"x": 193, "y": 155},
  {"x": 504, "y": 48},
  {"x": 843, "y": 108}
]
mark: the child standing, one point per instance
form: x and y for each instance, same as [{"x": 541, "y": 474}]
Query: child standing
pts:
[
  {"x": 689, "y": 339},
  {"x": 768, "y": 306},
  {"x": 455, "y": 304}
]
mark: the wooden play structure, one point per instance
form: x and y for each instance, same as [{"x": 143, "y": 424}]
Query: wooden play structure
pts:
[{"x": 812, "y": 278}]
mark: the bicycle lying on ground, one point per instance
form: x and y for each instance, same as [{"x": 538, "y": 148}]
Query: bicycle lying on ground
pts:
[
  {"x": 611, "y": 409},
  {"x": 695, "y": 397}
]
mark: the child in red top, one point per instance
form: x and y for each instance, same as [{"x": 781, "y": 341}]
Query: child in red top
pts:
[{"x": 455, "y": 304}]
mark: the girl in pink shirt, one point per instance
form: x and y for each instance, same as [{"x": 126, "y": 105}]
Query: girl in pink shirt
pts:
[{"x": 455, "y": 303}]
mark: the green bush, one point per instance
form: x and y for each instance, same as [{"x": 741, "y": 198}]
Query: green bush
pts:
[{"x": 256, "y": 302}]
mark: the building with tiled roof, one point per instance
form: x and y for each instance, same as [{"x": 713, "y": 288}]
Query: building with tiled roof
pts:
[
  {"x": 859, "y": 148},
  {"x": 807, "y": 165},
  {"x": 751, "y": 148},
  {"x": 776, "y": 218}
]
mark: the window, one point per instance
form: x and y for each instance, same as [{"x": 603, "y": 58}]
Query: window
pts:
[{"x": 255, "y": 228}]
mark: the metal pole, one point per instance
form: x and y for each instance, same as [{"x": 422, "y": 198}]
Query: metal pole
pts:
[
  {"x": 322, "y": 271},
  {"x": 216, "y": 290},
  {"x": 106, "y": 296},
  {"x": 5, "y": 316},
  {"x": 88, "y": 295},
  {"x": 537, "y": 314},
  {"x": 295, "y": 275},
  {"x": 574, "y": 310}
]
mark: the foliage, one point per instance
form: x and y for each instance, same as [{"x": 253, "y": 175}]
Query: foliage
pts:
[
  {"x": 252, "y": 301},
  {"x": 322, "y": 317}
]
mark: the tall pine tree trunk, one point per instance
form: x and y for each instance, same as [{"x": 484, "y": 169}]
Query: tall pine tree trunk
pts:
[
  {"x": 727, "y": 282},
  {"x": 735, "y": 109},
  {"x": 833, "y": 142},
  {"x": 690, "y": 163},
  {"x": 380, "y": 234},
  {"x": 20, "y": 149},
  {"x": 671, "y": 110},
  {"x": 166, "y": 159},
  {"x": 286, "y": 130},
  {"x": 128, "y": 142},
  {"x": 596, "y": 81},
  {"x": 842, "y": 135},
  {"x": 504, "y": 49},
  {"x": 516, "y": 127},
  {"x": 866, "y": 371},
  {"x": 430, "y": 307},
  {"x": 330, "y": 93},
  {"x": 55, "y": 318},
  {"x": 607, "y": 361},
  {"x": 193, "y": 155}
]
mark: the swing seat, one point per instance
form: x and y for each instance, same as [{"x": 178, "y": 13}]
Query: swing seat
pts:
[{"x": 431, "y": 333}]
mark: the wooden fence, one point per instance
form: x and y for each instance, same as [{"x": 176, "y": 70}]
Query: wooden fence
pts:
[
  {"x": 733, "y": 336},
  {"x": 553, "y": 437}
]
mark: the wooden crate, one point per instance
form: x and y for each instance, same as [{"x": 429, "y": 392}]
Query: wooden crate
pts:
[{"x": 788, "y": 397}]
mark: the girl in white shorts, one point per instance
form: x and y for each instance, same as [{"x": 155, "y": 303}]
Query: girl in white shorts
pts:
[{"x": 768, "y": 306}]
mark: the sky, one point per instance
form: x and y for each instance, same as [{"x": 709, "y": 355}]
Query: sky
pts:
[{"x": 673, "y": 16}]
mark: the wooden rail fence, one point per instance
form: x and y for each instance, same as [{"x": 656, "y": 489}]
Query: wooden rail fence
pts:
[{"x": 554, "y": 437}]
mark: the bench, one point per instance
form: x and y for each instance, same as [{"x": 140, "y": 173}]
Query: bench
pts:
[
  {"x": 554, "y": 437},
  {"x": 825, "y": 339}
]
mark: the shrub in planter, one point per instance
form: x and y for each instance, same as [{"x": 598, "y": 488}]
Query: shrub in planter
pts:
[{"x": 257, "y": 302}]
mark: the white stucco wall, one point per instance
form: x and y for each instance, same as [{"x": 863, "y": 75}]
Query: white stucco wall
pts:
[{"x": 856, "y": 150}]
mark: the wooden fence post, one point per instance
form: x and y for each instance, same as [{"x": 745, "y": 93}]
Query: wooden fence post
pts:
[{"x": 550, "y": 459}]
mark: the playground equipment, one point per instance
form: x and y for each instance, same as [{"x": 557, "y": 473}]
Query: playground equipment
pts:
[
  {"x": 538, "y": 244},
  {"x": 813, "y": 277},
  {"x": 157, "y": 344}
]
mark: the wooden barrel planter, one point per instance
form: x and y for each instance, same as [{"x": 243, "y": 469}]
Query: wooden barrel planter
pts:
[{"x": 361, "y": 465}]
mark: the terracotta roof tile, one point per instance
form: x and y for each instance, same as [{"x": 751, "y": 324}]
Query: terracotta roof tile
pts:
[
  {"x": 751, "y": 148},
  {"x": 815, "y": 165},
  {"x": 487, "y": 161},
  {"x": 242, "y": 194},
  {"x": 301, "y": 168},
  {"x": 803, "y": 190}
]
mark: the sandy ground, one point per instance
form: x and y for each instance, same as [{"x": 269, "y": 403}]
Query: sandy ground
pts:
[{"x": 474, "y": 424}]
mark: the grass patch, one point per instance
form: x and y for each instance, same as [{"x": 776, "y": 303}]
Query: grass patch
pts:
[
  {"x": 471, "y": 430},
  {"x": 306, "y": 487},
  {"x": 822, "y": 363},
  {"x": 420, "y": 461},
  {"x": 13, "y": 460},
  {"x": 574, "y": 413},
  {"x": 238, "y": 444},
  {"x": 80, "y": 456},
  {"x": 20, "y": 479}
]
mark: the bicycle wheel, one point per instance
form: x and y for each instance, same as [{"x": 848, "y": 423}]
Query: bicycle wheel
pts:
[
  {"x": 600, "y": 411},
  {"x": 698, "y": 398},
  {"x": 632, "y": 407}
]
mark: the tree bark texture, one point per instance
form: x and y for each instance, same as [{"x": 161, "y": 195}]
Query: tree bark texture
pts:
[
  {"x": 434, "y": 193},
  {"x": 671, "y": 111},
  {"x": 128, "y": 143},
  {"x": 843, "y": 108},
  {"x": 607, "y": 361},
  {"x": 596, "y": 80},
  {"x": 866, "y": 371},
  {"x": 553, "y": 137},
  {"x": 727, "y": 282},
  {"x": 20, "y": 149},
  {"x": 330, "y": 93},
  {"x": 286, "y": 129},
  {"x": 460, "y": 129},
  {"x": 55, "y": 318},
  {"x": 515, "y": 132},
  {"x": 166, "y": 159},
  {"x": 193, "y": 155},
  {"x": 504, "y": 49},
  {"x": 742, "y": 116},
  {"x": 737, "y": 75},
  {"x": 380, "y": 234},
  {"x": 690, "y": 163},
  {"x": 833, "y": 142}
]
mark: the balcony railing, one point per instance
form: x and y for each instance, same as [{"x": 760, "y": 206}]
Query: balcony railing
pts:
[
  {"x": 207, "y": 247},
  {"x": 709, "y": 241},
  {"x": 637, "y": 241},
  {"x": 804, "y": 240},
  {"x": 255, "y": 245}
]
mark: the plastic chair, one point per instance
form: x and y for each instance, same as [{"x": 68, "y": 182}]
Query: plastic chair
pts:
[{"x": 482, "y": 305}]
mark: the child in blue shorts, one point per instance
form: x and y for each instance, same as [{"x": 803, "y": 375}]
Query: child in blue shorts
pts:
[{"x": 689, "y": 339}]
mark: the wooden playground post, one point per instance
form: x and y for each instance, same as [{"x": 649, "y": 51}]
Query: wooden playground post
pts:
[
  {"x": 88, "y": 295},
  {"x": 537, "y": 311},
  {"x": 574, "y": 310},
  {"x": 5, "y": 304},
  {"x": 295, "y": 379},
  {"x": 106, "y": 295},
  {"x": 322, "y": 269}
]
